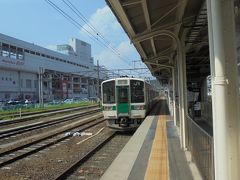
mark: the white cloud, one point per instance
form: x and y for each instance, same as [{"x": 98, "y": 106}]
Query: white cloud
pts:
[
  {"x": 110, "y": 60},
  {"x": 104, "y": 22}
]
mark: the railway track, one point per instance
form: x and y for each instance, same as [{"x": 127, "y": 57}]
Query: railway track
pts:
[
  {"x": 46, "y": 140},
  {"x": 68, "y": 171},
  {"x": 94, "y": 163},
  {"x": 43, "y": 124},
  {"x": 35, "y": 115}
]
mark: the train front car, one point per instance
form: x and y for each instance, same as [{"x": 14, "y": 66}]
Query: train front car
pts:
[{"x": 126, "y": 110}]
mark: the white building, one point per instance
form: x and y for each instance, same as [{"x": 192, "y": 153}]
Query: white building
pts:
[{"x": 68, "y": 73}]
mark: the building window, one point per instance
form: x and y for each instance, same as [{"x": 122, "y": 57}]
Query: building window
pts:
[
  {"x": 20, "y": 53},
  {"x": 13, "y": 52},
  {"x": 32, "y": 52},
  {"x": 83, "y": 80},
  {"x": 75, "y": 79},
  {"x": 25, "y": 50},
  {"x": 5, "y": 50},
  {"x": 28, "y": 83},
  {"x": 35, "y": 83}
]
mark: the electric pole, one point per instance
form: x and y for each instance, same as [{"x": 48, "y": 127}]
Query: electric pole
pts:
[
  {"x": 40, "y": 87},
  {"x": 98, "y": 80}
]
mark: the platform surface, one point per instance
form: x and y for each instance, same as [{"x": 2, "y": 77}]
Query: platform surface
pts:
[{"x": 153, "y": 152}]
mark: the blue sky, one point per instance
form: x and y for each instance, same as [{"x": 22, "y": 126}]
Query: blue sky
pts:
[{"x": 37, "y": 22}]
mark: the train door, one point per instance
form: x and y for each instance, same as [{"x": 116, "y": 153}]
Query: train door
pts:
[{"x": 123, "y": 100}]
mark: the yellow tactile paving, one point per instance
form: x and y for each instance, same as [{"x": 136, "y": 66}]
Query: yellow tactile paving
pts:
[{"x": 157, "y": 168}]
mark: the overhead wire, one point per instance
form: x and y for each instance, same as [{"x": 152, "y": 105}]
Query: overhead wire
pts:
[
  {"x": 88, "y": 23},
  {"x": 80, "y": 15},
  {"x": 78, "y": 26}
]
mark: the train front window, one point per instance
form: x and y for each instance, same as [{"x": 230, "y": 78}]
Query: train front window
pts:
[
  {"x": 137, "y": 91},
  {"x": 122, "y": 94},
  {"x": 109, "y": 92}
]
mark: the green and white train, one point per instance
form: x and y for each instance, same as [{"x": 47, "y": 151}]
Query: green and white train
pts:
[{"x": 126, "y": 101}]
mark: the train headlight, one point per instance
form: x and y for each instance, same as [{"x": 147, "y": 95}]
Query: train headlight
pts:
[
  {"x": 138, "y": 107},
  {"x": 108, "y": 108}
]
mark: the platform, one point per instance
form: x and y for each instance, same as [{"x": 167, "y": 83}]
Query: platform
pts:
[{"x": 153, "y": 152}]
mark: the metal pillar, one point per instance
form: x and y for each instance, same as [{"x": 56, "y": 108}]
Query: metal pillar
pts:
[
  {"x": 181, "y": 88},
  {"x": 224, "y": 89},
  {"x": 174, "y": 98},
  {"x": 181, "y": 77},
  {"x": 184, "y": 92}
]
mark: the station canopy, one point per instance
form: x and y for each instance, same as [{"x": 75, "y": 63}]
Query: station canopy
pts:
[{"x": 148, "y": 24}]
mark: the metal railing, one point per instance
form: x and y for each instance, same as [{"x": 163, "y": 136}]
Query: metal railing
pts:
[
  {"x": 206, "y": 109},
  {"x": 200, "y": 143}
]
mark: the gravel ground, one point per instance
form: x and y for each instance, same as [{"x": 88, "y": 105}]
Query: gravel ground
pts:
[
  {"x": 51, "y": 161},
  {"x": 21, "y": 137},
  {"x": 95, "y": 166}
]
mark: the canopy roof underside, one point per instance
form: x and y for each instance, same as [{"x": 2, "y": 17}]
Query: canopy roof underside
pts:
[{"x": 146, "y": 21}]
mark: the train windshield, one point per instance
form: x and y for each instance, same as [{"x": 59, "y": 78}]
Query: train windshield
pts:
[
  {"x": 123, "y": 94},
  {"x": 109, "y": 92},
  {"x": 137, "y": 91}
]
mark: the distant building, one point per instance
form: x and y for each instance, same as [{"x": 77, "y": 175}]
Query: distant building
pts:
[{"x": 68, "y": 73}]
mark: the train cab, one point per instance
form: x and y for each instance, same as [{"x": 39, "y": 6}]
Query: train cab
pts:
[{"x": 125, "y": 102}]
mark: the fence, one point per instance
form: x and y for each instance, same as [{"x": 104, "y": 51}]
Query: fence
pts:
[{"x": 200, "y": 143}]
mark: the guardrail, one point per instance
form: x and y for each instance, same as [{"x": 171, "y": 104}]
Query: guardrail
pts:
[
  {"x": 206, "y": 108},
  {"x": 200, "y": 143}
]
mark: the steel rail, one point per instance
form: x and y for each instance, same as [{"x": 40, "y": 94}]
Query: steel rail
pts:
[
  {"x": 35, "y": 115},
  {"x": 30, "y": 152},
  {"x": 23, "y": 129},
  {"x": 68, "y": 171}
]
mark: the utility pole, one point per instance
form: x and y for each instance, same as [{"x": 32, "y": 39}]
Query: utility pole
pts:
[
  {"x": 40, "y": 86},
  {"x": 98, "y": 80}
]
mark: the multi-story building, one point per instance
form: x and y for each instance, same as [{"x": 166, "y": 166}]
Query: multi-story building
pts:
[{"x": 27, "y": 70}]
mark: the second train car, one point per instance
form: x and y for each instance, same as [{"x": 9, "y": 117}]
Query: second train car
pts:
[{"x": 125, "y": 102}]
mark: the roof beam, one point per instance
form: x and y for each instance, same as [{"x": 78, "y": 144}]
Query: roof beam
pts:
[
  {"x": 167, "y": 13},
  {"x": 153, "y": 46},
  {"x": 147, "y": 35},
  {"x": 146, "y": 14},
  {"x": 117, "y": 8},
  {"x": 140, "y": 50},
  {"x": 156, "y": 64},
  {"x": 148, "y": 23},
  {"x": 133, "y": 2},
  {"x": 161, "y": 68},
  {"x": 157, "y": 58}
]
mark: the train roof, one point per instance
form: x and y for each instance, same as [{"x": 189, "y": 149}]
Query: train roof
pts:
[{"x": 130, "y": 78}]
